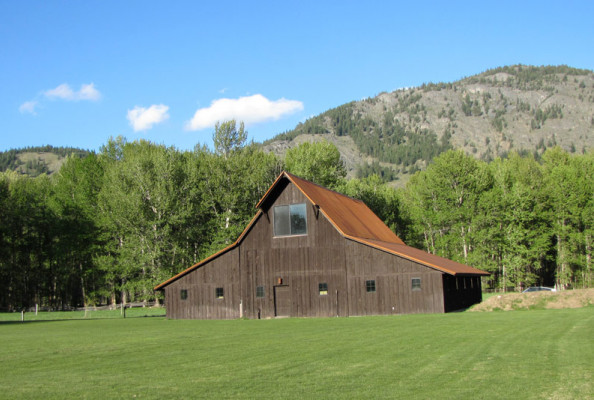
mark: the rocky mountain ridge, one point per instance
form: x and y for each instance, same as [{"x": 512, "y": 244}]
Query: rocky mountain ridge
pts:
[{"x": 521, "y": 108}]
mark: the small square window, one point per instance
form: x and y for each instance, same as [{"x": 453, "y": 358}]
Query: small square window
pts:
[
  {"x": 260, "y": 291},
  {"x": 183, "y": 294},
  {"x": 370, "y": 286},
  {"x": 323, "y": 288},
  {"x": 416, "y": 284},
  {"x": 219, "y": 293}
]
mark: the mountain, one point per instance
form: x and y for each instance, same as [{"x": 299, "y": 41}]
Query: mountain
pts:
[
  {"x": 521, "y": 108},
  {"x": 34, "y": 161}
]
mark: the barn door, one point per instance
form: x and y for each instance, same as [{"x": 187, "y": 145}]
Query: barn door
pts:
[{"x": 282, "y": 301}]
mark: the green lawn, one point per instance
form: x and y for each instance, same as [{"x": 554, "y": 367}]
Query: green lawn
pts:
[{"x": 498, "y": 355}]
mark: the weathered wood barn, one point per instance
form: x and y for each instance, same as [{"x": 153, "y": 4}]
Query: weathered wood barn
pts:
[{"x": 312, "y": 252}]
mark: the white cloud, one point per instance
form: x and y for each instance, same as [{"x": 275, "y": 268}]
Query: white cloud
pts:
[
  {"x": 142, "y": 118},
  {"x": 61, "y": 92},
  {"x": 28, "y": 107},
  {"x": 65, "y": 92},
  {"x": 250, "y": 109},
  {"x": 88, "y": 92}
]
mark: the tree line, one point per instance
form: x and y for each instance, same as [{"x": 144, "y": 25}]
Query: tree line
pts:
[
  {"x": 108, "y": 227},
  {"x": 526, "y": 222}
]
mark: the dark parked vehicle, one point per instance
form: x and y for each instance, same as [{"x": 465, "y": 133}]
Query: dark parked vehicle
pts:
[{"x": 539, "y": 289}]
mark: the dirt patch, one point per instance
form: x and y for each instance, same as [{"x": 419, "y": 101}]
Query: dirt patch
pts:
[{"x": 537, "y": 300}]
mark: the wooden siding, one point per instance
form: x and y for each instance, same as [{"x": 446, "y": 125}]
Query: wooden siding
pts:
[
  {"x": 393, "y": 280},
  {"x": 201, "y": 303}
]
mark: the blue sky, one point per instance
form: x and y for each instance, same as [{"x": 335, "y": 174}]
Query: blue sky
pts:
[{"x": 74, "y": 73}]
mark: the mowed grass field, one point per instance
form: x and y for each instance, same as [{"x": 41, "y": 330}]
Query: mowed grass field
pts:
[{"x": 543, "y": 354}]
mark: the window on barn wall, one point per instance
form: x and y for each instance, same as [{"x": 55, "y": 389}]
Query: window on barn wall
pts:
[
  {"x": 370, "y": 286},
  {"x": 183, "y": 294},
  {"x": 219, "y": 293},
  {"x": 260, "y": 291},
  {"x": 416, "y": 284},
  {"x": 290, "y": 220},
  {"x": 323, "y": 288}
]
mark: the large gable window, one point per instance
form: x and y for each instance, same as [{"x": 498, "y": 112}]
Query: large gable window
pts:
[{"x": 290, "y": 220}]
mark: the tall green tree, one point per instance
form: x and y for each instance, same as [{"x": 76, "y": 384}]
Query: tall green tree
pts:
[
  {"x": 569, "y": 184},
  {"x": 144, "y": 197},
  {"x": 525, "y": 220},
  {"x": 443, "y": 200},
  {"x": 227, "y": 138},
  {"x": 318, "y": 162},
  {"x": 76, "y": 191},
  {"x": 29, "y": 226},
  {"x": 236, "y": 180}
]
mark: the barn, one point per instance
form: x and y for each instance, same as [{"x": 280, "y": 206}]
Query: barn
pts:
[{"x": 312, "y": 252}]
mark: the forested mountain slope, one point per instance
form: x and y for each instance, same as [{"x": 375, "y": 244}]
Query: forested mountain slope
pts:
[
  {"x": 34, "y": 161},
  {"x": 524, "y": 108}
]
